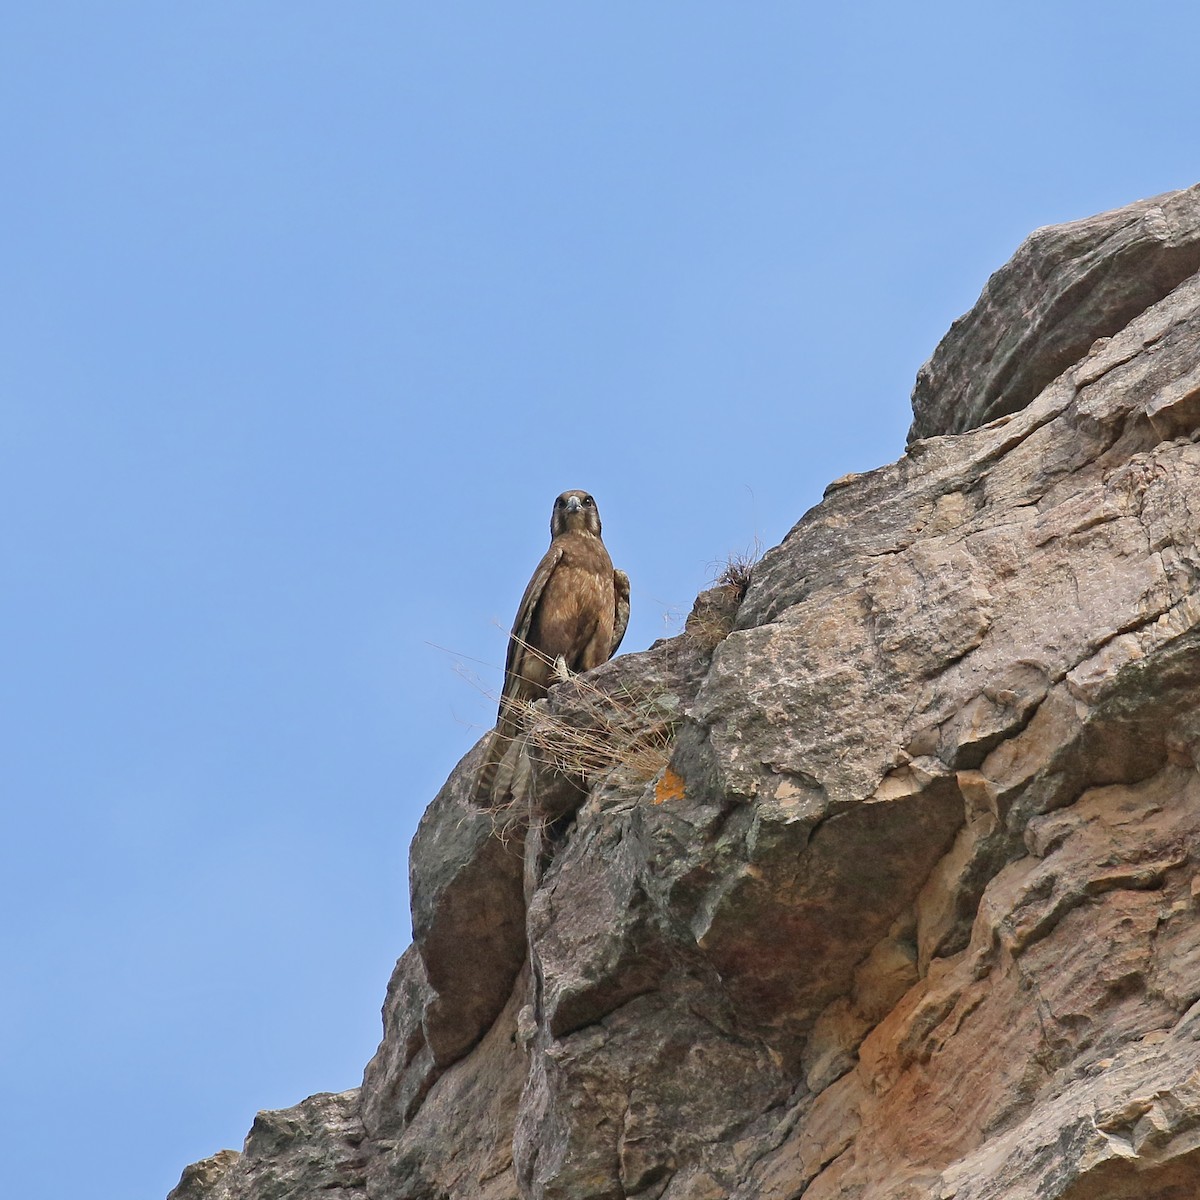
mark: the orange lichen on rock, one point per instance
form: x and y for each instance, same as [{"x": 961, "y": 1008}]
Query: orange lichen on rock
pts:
[{"x": 669, "y": 787}]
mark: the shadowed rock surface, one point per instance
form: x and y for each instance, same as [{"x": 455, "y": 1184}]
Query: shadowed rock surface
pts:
[{"x": 889, "y": 886}]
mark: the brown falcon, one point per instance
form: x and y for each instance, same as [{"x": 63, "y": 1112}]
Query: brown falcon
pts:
[{"x": 572, "y": 618}]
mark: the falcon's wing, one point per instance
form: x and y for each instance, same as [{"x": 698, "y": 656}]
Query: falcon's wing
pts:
[
  {"x": 621, "y": 617},
  {"x": 518, "y": 640}
]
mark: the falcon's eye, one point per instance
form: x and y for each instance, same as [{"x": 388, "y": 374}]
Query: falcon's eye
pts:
[
  {"x": 558, "y": 503},
  {"x": 588, "y": 502}
]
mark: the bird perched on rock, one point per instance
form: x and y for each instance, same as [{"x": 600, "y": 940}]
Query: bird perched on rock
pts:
[{"x": 572, "y": 618}]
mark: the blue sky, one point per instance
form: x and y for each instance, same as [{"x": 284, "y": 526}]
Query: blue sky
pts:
[{"x": 309, "y": 311}]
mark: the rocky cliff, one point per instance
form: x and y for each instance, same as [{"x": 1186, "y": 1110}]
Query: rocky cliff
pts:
[{"x": 880, "y": 880}]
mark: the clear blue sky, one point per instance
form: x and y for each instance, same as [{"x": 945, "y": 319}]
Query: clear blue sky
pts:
[{"x": 308, "y": 312}]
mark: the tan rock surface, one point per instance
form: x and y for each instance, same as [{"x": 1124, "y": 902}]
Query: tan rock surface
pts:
[{"x": 912, "y": 910}]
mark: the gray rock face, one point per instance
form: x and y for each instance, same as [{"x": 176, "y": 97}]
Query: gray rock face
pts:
[
  {"x": 879, "y": 882},
  {"x": 468, "y": 916},
  {"x": 1065, "y": 287},
  {"x": 318, "y": 1147}
]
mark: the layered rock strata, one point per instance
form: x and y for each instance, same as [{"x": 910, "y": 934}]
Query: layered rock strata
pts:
[{"x": 906, "y": 904}]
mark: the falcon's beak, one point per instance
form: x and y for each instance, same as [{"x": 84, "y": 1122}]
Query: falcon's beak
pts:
[{"x": 573, "y": 504}]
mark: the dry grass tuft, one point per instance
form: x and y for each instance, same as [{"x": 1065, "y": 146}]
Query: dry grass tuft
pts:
[
  {"x": 712, "y": 619},
  {"x": 594, "y": 733},
  {"x": 626, "y": 728},
  {"x": 738, "y": 569}
]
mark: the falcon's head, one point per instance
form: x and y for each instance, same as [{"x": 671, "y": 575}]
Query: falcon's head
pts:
[{"x": 574, "y": 512}]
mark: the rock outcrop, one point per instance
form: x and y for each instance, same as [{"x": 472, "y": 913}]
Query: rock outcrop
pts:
[
  {"x": 889, "y": 886},
  {"x": 1066, "y": 286}
]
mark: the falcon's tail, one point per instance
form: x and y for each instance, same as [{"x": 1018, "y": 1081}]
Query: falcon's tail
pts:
[
  {"x": 485, "y": 784},
  {"x": 494, "y": 784}
]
